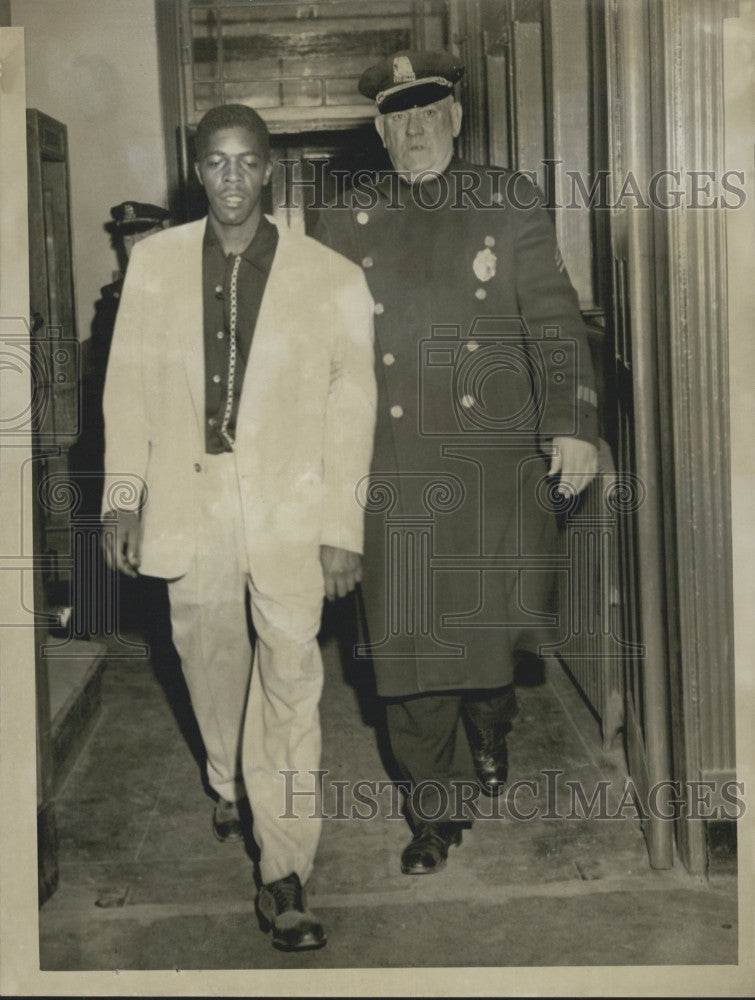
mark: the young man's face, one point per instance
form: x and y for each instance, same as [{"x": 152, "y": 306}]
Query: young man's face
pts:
[
  {"x": 421, "y": 139},
  {"x": 233, "y": 171}
]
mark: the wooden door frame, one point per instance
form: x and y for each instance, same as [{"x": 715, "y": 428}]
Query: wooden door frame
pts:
[
  {"x": 677, "y": 270},
  {"x": 24, "y": 686},
  {"x": 691, "y": 309},
  {"x": 633, "y": 247}
]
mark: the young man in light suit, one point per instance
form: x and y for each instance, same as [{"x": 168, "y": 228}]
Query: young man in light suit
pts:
[{"x": 239, "y": 415}]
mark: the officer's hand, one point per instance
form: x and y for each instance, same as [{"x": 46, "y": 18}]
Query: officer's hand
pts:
[
  {"x": 120, "y": 541},
  {"x": 341, "y": 570},
  {"x": 576, "y": 460}
]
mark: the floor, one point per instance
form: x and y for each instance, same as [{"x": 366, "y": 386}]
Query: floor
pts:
[{"x": 145, "y": 885}]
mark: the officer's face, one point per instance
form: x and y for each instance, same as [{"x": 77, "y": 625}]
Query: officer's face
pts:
[
  {"x": 233, "y": 171},
  {"x": 421, "y": 138}
]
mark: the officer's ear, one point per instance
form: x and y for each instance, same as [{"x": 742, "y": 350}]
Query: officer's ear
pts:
[
  {"x": 456, "y": 114},
  {"x": 198, "y": 172},
  {"x": 380, "y": 126}
]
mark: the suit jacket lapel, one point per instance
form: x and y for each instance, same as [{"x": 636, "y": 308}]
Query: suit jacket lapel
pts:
[
  {"x": 273, "y": 306},
  {"x": 190, "y": 318}
]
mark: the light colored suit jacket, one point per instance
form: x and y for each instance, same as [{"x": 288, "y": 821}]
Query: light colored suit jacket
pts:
[{"x": 305, "y": 425}]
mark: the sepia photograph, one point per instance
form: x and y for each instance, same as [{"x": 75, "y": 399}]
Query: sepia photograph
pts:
[{"x": 376, "y": 471}]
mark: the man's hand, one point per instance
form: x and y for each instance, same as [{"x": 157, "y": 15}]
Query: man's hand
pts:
[
  {"x": 120, "y": 541},
  {"x": 341, "y": 570},
  {"x": 576, "y": 460}
]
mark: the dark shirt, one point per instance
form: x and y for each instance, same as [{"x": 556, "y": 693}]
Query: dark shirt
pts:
[{"x": 256, "y": 262}]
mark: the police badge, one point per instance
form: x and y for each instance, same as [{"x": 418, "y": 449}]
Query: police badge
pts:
[{"x": 402, "y": 70}]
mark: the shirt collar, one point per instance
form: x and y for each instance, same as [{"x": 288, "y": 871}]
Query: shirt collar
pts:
[{"x": 261, "y": 249}]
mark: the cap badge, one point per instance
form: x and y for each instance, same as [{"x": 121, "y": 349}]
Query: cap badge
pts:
[
  {"x": 402, "y": 70},
  {"x": 128, "y": 212},
  {"x": 484, "y": 264}
]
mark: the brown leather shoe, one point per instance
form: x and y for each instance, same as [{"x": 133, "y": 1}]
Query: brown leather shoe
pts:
[
  {"x": 281, "y": 908},
  {"x": 428, "y": 850},
  {"x": 226, "y": 824}
]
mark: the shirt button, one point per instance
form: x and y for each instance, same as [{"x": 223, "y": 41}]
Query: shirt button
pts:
[
  {"x": 363, "y": 218},
  {"x": 219, "y": 334},
  {"x": 467, "y": 402},
  {"x": 197, "y": 467},
  {"x": 397, "y": 412},
  {"x": 481, "y": 293},
  {"x": 379, "y": 309},
  {"x": 216, "y": 379},
  {"x": 472, "y": 345},
  {"x": 367, "y": 262},
  {"x": 489, "y": 241},
  {"x": 388, "y": 359}
]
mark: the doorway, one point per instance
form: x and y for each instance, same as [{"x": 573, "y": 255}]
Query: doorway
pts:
[{"x": 561, "y": 88}]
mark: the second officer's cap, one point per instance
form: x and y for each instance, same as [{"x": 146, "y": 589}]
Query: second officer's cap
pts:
[
  {"x": 411, "y": 79},
  {"x": 133, "y": 216}
]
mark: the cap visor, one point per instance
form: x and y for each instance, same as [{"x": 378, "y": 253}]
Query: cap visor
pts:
[{"x": 417, "y": 96}]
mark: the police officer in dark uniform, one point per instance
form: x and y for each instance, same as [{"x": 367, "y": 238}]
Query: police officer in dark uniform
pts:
[
  {"x": 131, "y": 222},
  {"x": 486, "y": 418}
]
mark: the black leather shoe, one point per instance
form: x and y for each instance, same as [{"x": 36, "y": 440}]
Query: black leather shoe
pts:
[
  {"x": 487, "y": 726},
  {"x": 428, "y": 850},
  {"x": 226, "y": 824},
  {"x": 280, "y": 908}
]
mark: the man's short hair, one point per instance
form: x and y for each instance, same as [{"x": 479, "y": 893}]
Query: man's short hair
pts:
[{"x": 230, "y": 116}]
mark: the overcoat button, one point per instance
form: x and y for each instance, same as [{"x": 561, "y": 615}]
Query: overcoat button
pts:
[
  {"x": 379, "y": 309},
  {"x": 197, "y": 467},
  {"x": 489, "y": 241},
  {"x": 216, "y": 379},
  {"x": 363, "y": 218},
  {"x": 388, "y": 359},
  {"x": 218, "y": 291},
  {"x": 397, "y": 412},
  {"x": 367, "y": 262},
  {"x": 481, "y": 293},
  {"x": 219, "y": 334}
]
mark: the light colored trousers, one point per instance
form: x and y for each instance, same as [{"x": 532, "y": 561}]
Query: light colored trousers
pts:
[{"x": 257, "y": 719}]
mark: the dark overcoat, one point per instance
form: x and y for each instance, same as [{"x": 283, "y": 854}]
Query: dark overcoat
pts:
[{"x": 481, "y": 358}]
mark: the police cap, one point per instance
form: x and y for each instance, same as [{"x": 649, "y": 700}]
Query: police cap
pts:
[
  {"x": 411, "y": 79},
  {"x": 133, "y": 216}
]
